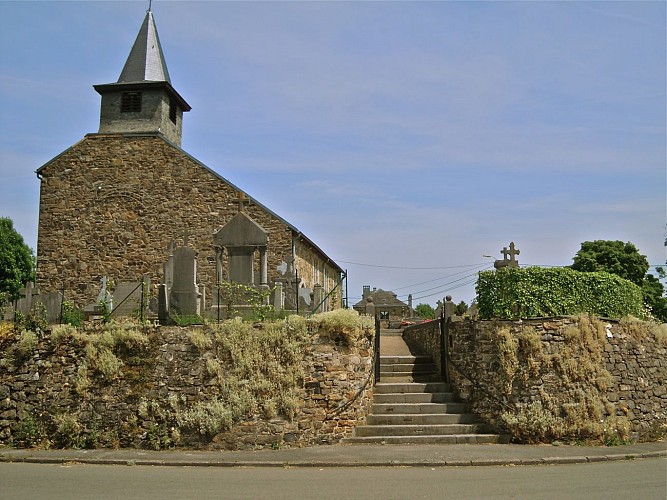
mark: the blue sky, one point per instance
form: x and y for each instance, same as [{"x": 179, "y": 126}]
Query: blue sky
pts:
[{"x": 404, "y": 135}]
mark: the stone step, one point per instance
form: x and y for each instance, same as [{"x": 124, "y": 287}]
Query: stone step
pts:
[
  {"x": 445, "y": 439},
  {"x": 410, "y": 378},
  {"x": 387, "y": 387},
  {"x": 390, "y": 360},
  {"x": 391, "y": 332},
  {"x": 414, "y": 397},
  {"x": 418, "y": 408},
  {"x": 407, "y": 368},
  {"x": 416, "y": 430},
  {"x": 421, "y": 419}
]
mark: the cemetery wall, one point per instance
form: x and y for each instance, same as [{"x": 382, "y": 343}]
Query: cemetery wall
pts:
[
  {"x": 112, "y": 203},
  {"x": 56, "y": 395},
  {"x": 614, "y": 371}
]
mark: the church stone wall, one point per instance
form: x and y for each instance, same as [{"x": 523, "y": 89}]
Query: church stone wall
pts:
[
  {"x": 111, "y": 205},
  {"x": 315, "y": 271}
]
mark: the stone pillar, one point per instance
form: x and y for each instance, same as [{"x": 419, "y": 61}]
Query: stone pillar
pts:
[
  {"x": 263, "y": 265},
  {"x": 410, "y": 305},
  {"x": 450, "y": 307},
  {"x": 278, "y": 297},
  {"x": 163, "y": 303},
  {"x": 370, "y": 306}
]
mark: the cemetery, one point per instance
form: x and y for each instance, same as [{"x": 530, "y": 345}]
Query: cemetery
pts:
[{"x": 170, "y": 309}]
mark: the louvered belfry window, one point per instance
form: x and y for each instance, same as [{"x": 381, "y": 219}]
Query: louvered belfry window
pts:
[
  {"x": 172, "y": 109},
  {"x": 130, "y": 102}
]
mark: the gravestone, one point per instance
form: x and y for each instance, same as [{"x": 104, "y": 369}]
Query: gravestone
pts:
[
  {"x": 105, "y": 297},
  {"x": 104, "y": 302},
  {"x": 241, "y": 237},
  {"x": 319, "y": 304},
  {"x": 184, "y": 295},
  {"x": 163, "y": 303},
  {"x": 169, "y": 267},
  {"x": 289, "y": 282},
  {"x": 127, "y": 297}
]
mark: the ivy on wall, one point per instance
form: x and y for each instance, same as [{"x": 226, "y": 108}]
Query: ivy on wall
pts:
[{"x": 537, "y": 292}]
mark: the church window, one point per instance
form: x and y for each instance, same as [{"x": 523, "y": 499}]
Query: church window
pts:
[
  {"x": 130, "y": 102},
  {"x": 172, "y": 110}
]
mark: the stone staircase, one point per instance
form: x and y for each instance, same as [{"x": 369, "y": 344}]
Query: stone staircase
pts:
[{"x": 411, "y": 405}]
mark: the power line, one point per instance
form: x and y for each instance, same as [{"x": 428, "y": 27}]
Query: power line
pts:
[
  {"x": 410, "y": 268},
  {"x": 436, "y": 279}
]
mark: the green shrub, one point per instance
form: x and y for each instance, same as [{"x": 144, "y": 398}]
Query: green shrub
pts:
[
  {"x": 199, "y": 338},
  {"x": 59, "y": 333},
  {"x": 71, "y": 315},
  {"x": 186, "y": 319},
  {"x": 30, "y": 432},
  {"x": 69, "y": 432},
  {"x": 346, "y": 325},
  {"x": 27, "y": 344},
  {"x": 538, "y": 292},
  {"x": 207, "y": 418}
]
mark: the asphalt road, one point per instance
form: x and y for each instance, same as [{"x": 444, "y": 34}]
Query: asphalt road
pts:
[{"x": 644, "y": 479}]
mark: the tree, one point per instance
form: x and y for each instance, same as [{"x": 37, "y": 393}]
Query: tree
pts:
[
  {"x": 616, "y": 257},
  {"x": 425, "y": 311},
  {"x": 624, "y": 260},
  {"x": 17, "y": 262},
  {"x": 461, "y": 308}
]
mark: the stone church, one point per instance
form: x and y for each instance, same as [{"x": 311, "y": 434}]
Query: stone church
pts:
[{"x": 114, "y": 203}]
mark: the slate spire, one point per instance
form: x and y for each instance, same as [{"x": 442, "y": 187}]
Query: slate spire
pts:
[
  {"x": 146, "y": 61},
  {"x": 143, "y": 100}
]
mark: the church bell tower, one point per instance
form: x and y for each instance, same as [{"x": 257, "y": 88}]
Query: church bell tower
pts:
[{"x": 143, "y": 100}]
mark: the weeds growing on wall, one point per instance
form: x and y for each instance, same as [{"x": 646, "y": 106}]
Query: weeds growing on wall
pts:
[
  {"x": 254, "y": 371},
  {"x": 342, "y": 325},
  {"x": 574, "y": 411}
]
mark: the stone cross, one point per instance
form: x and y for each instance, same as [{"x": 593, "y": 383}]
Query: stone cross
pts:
[
  {"x": 243, "y": 201},
  {"x": 509, "y": 259}
]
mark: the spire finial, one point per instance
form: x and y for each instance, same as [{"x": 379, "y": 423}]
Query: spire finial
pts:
[{"x": 150, "y": 4}]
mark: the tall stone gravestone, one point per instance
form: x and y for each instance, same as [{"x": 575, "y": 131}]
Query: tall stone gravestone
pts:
[{"x": 184, "y": 296}]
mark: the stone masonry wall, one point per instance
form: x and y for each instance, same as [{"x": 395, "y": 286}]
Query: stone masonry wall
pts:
[
  {"x": 313, "y": 270},
  {"x": 129, "y": 411},
  {"x": 112, "y": 203},
  {"x": 635, "y": 362}
]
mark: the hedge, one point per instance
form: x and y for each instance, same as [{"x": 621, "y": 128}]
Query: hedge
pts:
[{"x": 538, "y": 292}]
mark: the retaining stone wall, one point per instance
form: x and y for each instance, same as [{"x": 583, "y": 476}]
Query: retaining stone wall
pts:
[
  {"x": 637, "y": 388},
  {"x": 45, "y": 385}
]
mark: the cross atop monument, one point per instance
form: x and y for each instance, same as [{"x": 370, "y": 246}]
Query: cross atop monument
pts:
[
  {"x": 243, "y": 201},
  {"x": 509, "y": 259}
]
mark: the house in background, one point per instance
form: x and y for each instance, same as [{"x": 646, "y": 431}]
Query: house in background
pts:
[{"x": 387, "y": 305}]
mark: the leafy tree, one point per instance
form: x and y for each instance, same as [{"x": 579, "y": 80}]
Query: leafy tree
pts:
[
  {"x": 615, "y": 257},
  {"x": 624, "y": 260},
  {"x": 461, "y": 308},
  {"x": 17, "y": 262},
  {"x": 425, "y": 311}
]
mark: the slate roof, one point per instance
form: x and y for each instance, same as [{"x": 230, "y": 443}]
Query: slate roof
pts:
[
  {"x": 146, "y": 60},
  {"x": 382, "y": 298}
]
